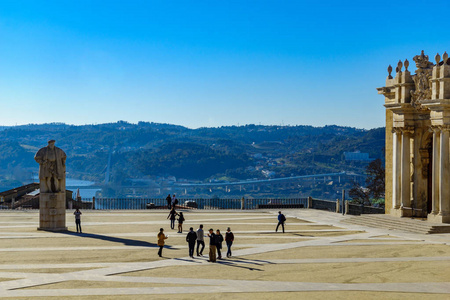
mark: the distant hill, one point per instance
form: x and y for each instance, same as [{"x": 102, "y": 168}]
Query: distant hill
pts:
[{"x": 147, "y": 150}]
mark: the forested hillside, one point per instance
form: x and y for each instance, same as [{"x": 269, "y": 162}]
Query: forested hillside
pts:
[{"x": 148, "y": 150}]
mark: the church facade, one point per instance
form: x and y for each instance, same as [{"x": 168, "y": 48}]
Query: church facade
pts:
[{"x": 418, "y": 140}]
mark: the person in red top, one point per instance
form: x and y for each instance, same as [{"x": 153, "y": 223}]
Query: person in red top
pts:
[{"x": 229, "y": 238}]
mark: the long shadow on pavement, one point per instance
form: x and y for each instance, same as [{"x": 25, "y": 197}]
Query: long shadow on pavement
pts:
[
  {"x": 258, "y": 262},
  {"x": 127, "y": 242},
  {"x": 235, "y": 265}
]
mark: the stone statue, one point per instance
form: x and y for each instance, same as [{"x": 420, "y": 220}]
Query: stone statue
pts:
[
  {"x": 52, "y": 168},
  {"x": 422, "y": 80}
]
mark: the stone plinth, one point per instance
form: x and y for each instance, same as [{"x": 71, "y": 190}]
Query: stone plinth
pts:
[
  {"x": 438, "y": 218},
  {"x": 52, "y": 211}
]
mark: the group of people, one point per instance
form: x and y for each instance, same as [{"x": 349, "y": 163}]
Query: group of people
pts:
[
  {"x": 173, "y": 216},
  {"x": 194, "y": 237},
  {"x": 171, "y": 201},
  {"x": 198, "y": 237}
]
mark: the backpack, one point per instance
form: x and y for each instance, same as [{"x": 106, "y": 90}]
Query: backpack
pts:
[
  {"x": 176, "y": 201},
  {"x": 283, "y": 218}
]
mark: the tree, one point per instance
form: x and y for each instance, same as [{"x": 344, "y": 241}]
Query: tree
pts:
[
  {"x": 375, "y": 184},
  {"x": 359, "y": 194},
  {"x": 375, "y": 178}
]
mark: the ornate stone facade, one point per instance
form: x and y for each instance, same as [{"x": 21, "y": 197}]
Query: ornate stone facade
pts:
[{"x": 418, "y": 140}]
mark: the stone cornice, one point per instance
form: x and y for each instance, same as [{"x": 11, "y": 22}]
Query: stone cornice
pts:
[
  {"x": 401, "y": 108},
  {"x": 436, "y": 102},
  {"x": 385, "y": 90}
]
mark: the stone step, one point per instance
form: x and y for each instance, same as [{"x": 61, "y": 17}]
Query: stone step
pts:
[
  {"x": 396, "y": 224},
  {"x": 414, "y": 230},
  {"x": 403, "y": 224},
  {"x": 391, "y": 227},
  {"x": 398, "y": 221}
]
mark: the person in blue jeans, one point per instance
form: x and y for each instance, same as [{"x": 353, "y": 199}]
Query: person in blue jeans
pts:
[
  {"x": 172, "y": 216},
  {"x": 200, "y": 240},
  {"x": 229, "y": 238}
]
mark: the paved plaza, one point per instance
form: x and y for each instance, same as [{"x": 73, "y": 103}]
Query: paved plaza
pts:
[{"x": 318, "y": 257}]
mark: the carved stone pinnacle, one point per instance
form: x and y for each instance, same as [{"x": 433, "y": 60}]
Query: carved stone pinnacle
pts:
[
  {"x": 437, "y": 58},
  {"x": 389, "y": 69}
]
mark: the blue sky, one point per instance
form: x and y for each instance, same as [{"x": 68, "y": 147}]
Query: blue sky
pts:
[{"x": 208, "y": 63}]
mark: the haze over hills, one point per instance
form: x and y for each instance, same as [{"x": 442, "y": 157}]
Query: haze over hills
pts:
[{"x": 121, "y": 153}]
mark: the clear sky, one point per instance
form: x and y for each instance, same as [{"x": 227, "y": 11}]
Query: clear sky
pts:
[{"x": 209, "y": 63}]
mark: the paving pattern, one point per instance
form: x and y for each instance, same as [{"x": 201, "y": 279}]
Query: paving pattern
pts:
[{"x": 116, "y": 256}]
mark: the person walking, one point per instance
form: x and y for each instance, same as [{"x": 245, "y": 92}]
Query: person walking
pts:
[
  {"x": 161, "y": 242},
  {"x": 219, "y": 240},
  {"x": 169, "y": 202},
  {"x": 191, "y": 237},
  {"x": 78, "y": 214},
  {"x": 229, "y": 238},
  {"x": 180, "y": 222},
  {"x": 281, "y": 220},
  {"x": 212, "y": 245},
  {"x": 172, "y": 216},
  {"x": 200, "y": 240}
]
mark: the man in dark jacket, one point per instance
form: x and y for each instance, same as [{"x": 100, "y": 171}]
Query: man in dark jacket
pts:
[
  {"x": 191, "y": 238},
  {"x": 281, "y": 220},
  {"x": 212, "y": 246},
  {"x": 169, "y": 202},
  {"x": 229, "y": 238}
]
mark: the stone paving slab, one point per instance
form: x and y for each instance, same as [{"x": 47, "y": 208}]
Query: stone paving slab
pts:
[{"x": 247, "y": 226}]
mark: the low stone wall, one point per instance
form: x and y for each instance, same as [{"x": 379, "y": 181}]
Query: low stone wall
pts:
[
  {"x": 357, "y": 209},
  {"x": 350, "y": 208},
  {"x": 323, "y": 204},
  {"x": 269, "y": 206}
]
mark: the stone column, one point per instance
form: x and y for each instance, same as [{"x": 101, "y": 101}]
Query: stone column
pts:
[
  {"x": 396, "y": 169},
  {"x": 435, "y": 179},
  {"x": 406, "y": 173},
  {"x": 444, "y": 173}
]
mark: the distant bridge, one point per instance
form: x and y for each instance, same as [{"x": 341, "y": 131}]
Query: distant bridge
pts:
[
  {"x": 328, "y": 176},
  {"x": 286, "y": 183},
  {"x": 253, "y": 185}
]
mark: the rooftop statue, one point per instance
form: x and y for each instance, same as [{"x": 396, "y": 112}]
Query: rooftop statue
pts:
[
  {"x": 52, "y": 168},
  {"x": 422, "y": 80}
]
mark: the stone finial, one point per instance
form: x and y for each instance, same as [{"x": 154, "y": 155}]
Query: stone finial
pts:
[
  {"x": 445, "y": 57},
  {"x": 389, "y": 69},
  {"x": 406, "y": 64},
  {"x": 437, "y": 58},
  {"x": 399, "y": 66}
]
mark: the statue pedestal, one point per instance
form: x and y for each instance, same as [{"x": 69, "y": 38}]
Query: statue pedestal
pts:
[{"x": 52, "y": 211}]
